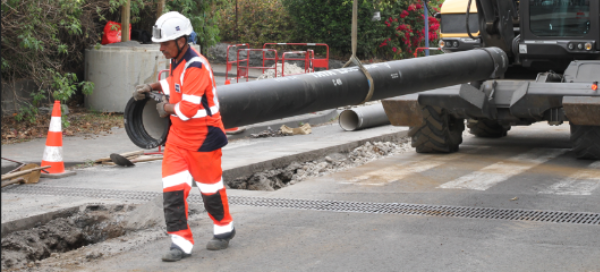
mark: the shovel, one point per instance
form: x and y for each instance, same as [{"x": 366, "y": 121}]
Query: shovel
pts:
[
  {"x": 28, "y": 174},
  {"x": 122, "y": 161}
]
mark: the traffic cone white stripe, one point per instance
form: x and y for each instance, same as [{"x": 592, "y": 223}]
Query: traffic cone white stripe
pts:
[
  {"x": 53, "y": 151},
  {"x": 55, "y": 124},
  {"x": 53, "y": 154}
]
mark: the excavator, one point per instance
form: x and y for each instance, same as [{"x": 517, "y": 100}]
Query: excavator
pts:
[
  {"x": 539, "y": 61},
  {"x": 553, "y": 50}
]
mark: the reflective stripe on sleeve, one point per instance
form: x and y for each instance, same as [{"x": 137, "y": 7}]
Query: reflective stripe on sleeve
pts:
[
  {"x": 202, "y": 113},
  {"x": 192, "y": 98},
  {"x": 179, "y": 114},
  {"x": 199, "y": 114},
  {"x": 210, "y": 188},
  {"x": 165, "y": 86}
]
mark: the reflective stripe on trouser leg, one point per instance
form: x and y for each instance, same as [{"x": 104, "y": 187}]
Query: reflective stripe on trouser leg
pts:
[
  {"x": 207, "y": 175},
  {"x": 177, "y": 182},
  {"x": 218, "y": 210}
]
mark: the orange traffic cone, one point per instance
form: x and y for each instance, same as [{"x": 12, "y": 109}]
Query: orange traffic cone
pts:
[{"x": 53, "y": 153}]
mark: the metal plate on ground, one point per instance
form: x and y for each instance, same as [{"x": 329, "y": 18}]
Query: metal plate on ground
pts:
[{"x": 334, "y": 206}]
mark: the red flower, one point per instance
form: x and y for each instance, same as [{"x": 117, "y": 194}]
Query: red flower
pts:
[
  {"x": 394, "y": 49},
  {"x": 404, "y": 14},
  {"x": 387, "y": 23},
  {"x": 383, "y": 44},
  {"x": 434, "y": 27},
  {"x": 432, "y": 36},
  {"x": 412, "y": 7},
  {"x": 391, "y": 20},
  {"x": 401, "y": 28},
  {"x": 419, "y": 6},
  {"x": 432, "y": 20}
]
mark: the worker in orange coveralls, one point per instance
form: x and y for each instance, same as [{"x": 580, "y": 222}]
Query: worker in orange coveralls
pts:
[{"x": 193, "y": 147}]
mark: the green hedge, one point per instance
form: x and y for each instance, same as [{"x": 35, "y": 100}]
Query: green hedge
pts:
[{"x": 330, "y": 21}]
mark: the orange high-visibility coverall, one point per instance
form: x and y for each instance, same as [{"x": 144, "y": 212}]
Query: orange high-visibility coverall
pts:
[{"x": 193, "y": 149}]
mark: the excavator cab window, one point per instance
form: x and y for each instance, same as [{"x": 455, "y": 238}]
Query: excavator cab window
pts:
[{"x": 559, "y": 17}]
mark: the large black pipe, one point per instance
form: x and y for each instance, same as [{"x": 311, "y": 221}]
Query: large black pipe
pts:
[{"x": 258, "y": 101}]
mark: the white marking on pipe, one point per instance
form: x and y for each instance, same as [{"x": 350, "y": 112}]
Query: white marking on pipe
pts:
[
  {"x": 55, "y": 125},
  {"x": 311, "y": 44},
  {"x": 581, "y": 183},
  {"x": 53, "y": 154},
  {"x": 503, "y": 170}
]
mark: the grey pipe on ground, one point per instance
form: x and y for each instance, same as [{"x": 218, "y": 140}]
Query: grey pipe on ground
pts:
[{"x": 363, "y": 117}]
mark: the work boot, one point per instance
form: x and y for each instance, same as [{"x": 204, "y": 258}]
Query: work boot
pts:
[
  {"x": 220, "y": 243},
  {"x": 175, "y": 254}
]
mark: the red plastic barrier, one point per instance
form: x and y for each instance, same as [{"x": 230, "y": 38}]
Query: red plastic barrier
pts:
[
  {"x": 236, "y": 61},
  {"x": 243, "y": 71},
  {"x": 316, "y": 63},
  {"x": 112, "y": 33}
]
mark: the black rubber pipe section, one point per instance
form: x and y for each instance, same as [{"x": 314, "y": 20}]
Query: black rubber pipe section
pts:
[
  {"x": 264, "y": 100},
  {"x": 363, "y": 117},
  {"x": 135, "y": 124}
]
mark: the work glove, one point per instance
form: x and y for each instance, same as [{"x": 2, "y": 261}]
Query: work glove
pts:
[
  {"x": 160, "y": 107},
  {"x": 140, "y": 91}
]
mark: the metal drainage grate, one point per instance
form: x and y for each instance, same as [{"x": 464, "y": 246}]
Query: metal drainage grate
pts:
[{"x": 333, "y": 206}]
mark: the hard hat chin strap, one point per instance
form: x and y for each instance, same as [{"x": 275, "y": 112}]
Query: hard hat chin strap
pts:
[{"x": 178, "y": 48}]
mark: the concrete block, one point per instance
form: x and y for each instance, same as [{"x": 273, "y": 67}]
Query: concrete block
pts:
[{"x": 116, "y": 69}]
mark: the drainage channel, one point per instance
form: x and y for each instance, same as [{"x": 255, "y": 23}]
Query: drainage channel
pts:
[{"x": 334, "y": 206}]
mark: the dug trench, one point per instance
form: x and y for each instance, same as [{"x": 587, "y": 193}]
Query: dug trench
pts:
[
  {"x": 95, "y": 231},
  {"x": 274, "y": 179},
  {"x": 100, "y": 231}
]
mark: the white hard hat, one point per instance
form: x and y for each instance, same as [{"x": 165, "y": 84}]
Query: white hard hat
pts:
[{"x": 171, "y": 26}]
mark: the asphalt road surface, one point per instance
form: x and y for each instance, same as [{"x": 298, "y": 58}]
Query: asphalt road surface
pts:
[{"x": 532, "y": 169}]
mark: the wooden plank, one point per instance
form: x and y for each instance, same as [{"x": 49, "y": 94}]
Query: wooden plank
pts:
[{"x": 125, "y": 16}]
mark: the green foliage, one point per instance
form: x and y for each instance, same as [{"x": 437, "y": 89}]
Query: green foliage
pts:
[
  {"x": 330, "y": 21},
  {"x": 204, "y": 16},
  {"x": 27, "y": 113},
  {"x": 44, "y": 41},
  {"x": 258, "y": 22}
]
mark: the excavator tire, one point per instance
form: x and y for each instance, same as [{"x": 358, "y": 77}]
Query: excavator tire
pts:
[
  {"x": 487, "y": 128},
  {"x": 439, "y": 133},
  {"x": 586, "y": 141}
]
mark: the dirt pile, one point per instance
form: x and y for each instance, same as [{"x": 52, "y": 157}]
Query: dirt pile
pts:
[
  {"x": 295, "y": 172},
  {"x": 289, "y": 69}
]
